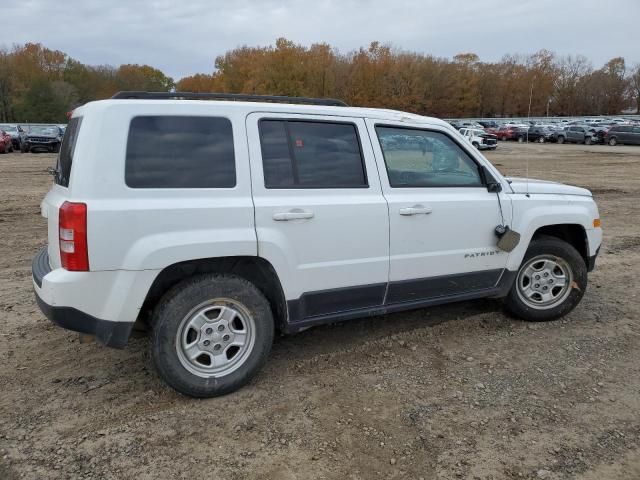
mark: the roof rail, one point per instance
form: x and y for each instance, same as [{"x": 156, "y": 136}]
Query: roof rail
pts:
[{"x": 239, "y": 97}]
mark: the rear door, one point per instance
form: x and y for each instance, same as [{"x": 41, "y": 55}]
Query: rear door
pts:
[
  {"x": 635, "y": 136},
  {"x": 320, "y": 216}
]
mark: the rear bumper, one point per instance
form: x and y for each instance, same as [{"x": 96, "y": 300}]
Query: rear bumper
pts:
[
  {"x": 111, "y": 334},
  {"x": 105, "y": 304}
]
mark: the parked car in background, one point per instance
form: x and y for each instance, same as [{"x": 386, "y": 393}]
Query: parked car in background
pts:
[
  {"x": 625, "y": 134},
  {"x": 512, "y": 132},
  {"x": 489, "y": 124},
  {"x": 574, "y": 134},
  {"x": 6, "y": 145},
  {"x": 16, "y": 133},
  {"x": 479, "y": 138},
  {"x": 539, "y": 134},
  {"x": 43, "y": 137}
]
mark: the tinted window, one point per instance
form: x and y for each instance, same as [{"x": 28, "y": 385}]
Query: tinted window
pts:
[
  {"x": 636, "y": 129},
  {"x": 304, "y": 154},
  {"x": 421, "y": 158},
  {"x": 67, "y": 149},
  {"x": 180, "y": 152}
]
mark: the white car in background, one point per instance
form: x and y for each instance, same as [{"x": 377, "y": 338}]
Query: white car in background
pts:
[{"x": 479, "y": 138}]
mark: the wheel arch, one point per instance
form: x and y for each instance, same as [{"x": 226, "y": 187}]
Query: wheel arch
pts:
[
  {"x": 254, "y": 269},
  {"x": 572, "y": 233}
]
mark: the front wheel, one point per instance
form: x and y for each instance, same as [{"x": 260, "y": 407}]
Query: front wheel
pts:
[
  {"x": 613, "y": 141},
  {"x": 587, "y": 141},
  {"x": 550, "y": 282},
  {"x": 541, "y": 140},
  {"x": 211, "y": 334},
  {"x": 520, "y": 139},
  {"x": 476, "y": 145},
  {"x": 561, "y": 139}
]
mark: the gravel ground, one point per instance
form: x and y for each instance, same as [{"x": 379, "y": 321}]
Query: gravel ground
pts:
[{"x": 459, "y": 391}]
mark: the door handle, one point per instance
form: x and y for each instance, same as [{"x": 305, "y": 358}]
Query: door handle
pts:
[
  {"x": 294, "y": 214},
  {"x": 415, "y": 210}
]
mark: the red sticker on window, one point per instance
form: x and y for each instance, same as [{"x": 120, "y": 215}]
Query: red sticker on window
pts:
[{"x": 299, "y": 143}]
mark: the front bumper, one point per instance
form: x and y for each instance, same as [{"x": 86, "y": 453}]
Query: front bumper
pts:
[
  {"x": 105, "y": 304},
  {"x": 591, "y": 261}
]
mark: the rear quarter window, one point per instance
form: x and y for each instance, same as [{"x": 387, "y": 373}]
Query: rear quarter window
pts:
[
  {"x": 180, "y": 152},
  {"x": 67, "y": 150}
]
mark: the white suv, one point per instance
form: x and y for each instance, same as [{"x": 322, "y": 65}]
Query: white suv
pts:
[{"x": 219, "y": 222}]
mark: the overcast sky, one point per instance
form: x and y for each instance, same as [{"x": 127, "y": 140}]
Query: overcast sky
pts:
[{"x": 182, "y": 37}]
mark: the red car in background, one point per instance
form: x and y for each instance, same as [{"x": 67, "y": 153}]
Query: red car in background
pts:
[
  {"x": 6, "y": 145},
  {"x": 511, "y": 132}
]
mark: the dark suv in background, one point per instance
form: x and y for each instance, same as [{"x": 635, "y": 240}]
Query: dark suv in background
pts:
[
  {"x": 627, "y": 134},
  {"x": 42, "y": 137},
  {"x": 539, "y": 134}
]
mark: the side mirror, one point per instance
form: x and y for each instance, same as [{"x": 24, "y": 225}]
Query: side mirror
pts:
[{"x": 491, "y": 183}]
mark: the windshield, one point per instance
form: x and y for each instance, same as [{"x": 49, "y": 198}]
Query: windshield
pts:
[{"x": 9, "y": 128}]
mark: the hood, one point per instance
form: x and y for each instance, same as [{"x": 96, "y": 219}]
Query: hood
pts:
[
  {"x": 530, "y": 185},
  {"x": 42, "y": 135}
]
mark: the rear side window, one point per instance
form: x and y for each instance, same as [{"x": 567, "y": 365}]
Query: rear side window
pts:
[
  {"x": 67, "y": 149},
  {"x": 308, "y": 154},
  {"x": 180, "y": 152}
]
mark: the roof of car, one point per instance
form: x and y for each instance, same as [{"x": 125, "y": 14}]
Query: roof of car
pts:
[{"x": 250, "y": 107}]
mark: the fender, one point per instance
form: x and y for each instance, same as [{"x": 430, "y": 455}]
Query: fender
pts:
[{"x": 536, "y": 211}]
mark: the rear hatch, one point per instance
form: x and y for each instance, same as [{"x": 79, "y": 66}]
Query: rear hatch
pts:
[{"x": 59, "y": 193}]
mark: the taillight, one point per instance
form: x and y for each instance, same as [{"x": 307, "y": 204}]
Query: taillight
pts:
[{"x": 72, "y": 222}]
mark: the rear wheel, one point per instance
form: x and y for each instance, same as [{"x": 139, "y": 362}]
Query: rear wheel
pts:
[
  {"x": 504, "y": 139},
  {"x": 613, "y": 141},
  {"x": 560, "y": 139},
  {"x": 520, "y": 139},
  {"x": 211, "y": 334},
  {"x": 475, "y": 144},
  {"x": 56, "y": 148},
  {"x": 550, "y": 282},
  {"x": 587, "y": 141},
  {"x": 541, "y": 140}
]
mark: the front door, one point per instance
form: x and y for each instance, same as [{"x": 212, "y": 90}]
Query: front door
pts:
[
  {"x": 442, "y": 218},
  {"x": 320, "y": 216}
]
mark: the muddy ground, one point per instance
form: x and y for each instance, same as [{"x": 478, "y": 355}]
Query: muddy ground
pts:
[{"x": 460, "y": 391}]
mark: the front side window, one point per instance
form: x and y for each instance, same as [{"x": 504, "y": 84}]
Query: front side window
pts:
[
  {"x": 423, "y": 158},
  {"x": 180, "y": 152},
  {"x": 311, "y": 154}
]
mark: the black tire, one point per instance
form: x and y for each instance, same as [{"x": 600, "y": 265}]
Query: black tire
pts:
[
  {"x": 613, "y": 141},
  {"x": 475, "y": 144},
  {"x": 560, "y": 139},
  {"x": 541, "y": 140},
  {"x": 587, "y": 141},
  {"x": 504, "y": 139},
  {"x": 520, "y": 139},
  {"x": 56, "y": 148},
  {"x": 559, "y": 249},
  {"x": 174, "y": 307}
]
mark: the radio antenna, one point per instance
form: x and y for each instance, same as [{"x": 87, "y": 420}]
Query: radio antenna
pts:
[{"x": 529, "y": 122}]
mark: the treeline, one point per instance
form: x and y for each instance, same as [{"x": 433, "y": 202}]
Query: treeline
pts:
[
  {"x": 41, "y": 85},
  {"x": 38, "y": 84}
]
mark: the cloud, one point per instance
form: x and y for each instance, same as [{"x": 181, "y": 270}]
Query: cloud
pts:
[{"x": 182, "y": 38}]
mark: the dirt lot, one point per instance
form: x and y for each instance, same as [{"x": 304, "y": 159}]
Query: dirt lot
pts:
[{"x": 460, "y": 391}]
